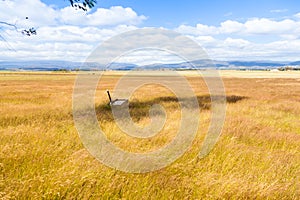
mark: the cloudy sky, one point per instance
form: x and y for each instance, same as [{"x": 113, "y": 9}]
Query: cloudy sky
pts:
[{"x": 227, "y": 30}]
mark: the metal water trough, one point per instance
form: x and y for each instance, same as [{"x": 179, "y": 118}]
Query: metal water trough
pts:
[{"x": 116, "y": 102}]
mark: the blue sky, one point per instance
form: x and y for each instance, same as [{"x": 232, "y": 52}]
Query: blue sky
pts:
[
  {"x": 227, "y": 30},
  {"x": 171, "y": 13}
]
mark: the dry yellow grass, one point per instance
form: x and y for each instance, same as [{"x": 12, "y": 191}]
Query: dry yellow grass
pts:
[{"x": 257, "y": 156}]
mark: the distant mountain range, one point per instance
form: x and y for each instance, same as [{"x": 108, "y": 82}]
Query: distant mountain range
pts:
[{"x": 198, "y": 64}]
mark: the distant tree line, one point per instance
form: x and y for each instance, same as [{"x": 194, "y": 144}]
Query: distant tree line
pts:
[{"x": 289, "y": 68}]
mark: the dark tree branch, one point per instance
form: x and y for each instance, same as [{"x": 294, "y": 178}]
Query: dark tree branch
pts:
[
  {"x": 28, "y": 32},
  {"x": 9, "y": 24}
]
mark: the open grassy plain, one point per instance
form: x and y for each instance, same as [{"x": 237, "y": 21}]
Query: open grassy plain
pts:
[{"x": 257, "y": 156}]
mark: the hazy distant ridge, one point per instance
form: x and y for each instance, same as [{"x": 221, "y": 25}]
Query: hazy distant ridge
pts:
[{"x": 199, "y": 64}]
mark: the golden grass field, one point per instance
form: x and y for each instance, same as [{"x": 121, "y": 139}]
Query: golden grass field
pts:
[{"x": 256, "y": 157}]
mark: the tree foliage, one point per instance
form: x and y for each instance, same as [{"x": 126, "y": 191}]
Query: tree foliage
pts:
[
  {"x": 29, "y": 32},
  {"x": 83, "y": 4}
]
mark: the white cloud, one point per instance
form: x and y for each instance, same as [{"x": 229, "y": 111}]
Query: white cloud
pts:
[
  {"x": 228, "y": 14},
  {"x": 39, "y": 14},
  {"x": 278, "y": 50},
  {"x": 230, "y": 26},
  {"x": 101, "y": 17},
  {"x": 278, "y": 10},
  {"x": 242, "y": 49},
  {"x": 270, "y": 39},
  {"x": 205, "y": 39},
  {"x": 297, "y": 15},
  {"x": 64, "y": 34},
  {"x": 150, "y": 56},
  {"x": 16, "y": 11},
  {"x": 62, "y": 43},
  {"x": 69, "y": 34},
  {"x": 267, "y": 26},
  {"x": 255, "y": 26},
  {"x": 200, "y": 29},
  {"x": 237, "y": 43}
]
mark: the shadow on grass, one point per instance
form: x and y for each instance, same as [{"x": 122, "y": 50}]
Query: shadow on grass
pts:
[{"x": 140, "y": 109}]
